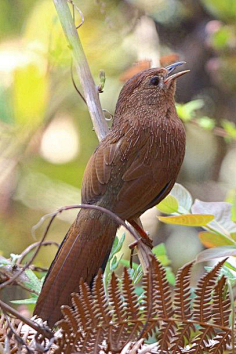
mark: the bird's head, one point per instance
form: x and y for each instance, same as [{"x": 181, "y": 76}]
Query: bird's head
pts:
[{"x": 153, "y": 86}]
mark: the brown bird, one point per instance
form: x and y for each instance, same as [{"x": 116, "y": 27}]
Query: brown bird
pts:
[{"x": 134, "y": 167}]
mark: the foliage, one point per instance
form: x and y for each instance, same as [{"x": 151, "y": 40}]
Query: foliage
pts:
[
  {"x": 104, "y": 323},
  {"x": 216, "y": 218}
]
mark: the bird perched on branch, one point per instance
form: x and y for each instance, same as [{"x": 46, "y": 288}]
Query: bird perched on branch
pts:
[{"x": 133, "y": 168}]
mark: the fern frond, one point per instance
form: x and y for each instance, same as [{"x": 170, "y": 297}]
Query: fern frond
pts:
[
  {"x": 182, "y": 300},
  {"x": 131, "y": 304},
  {"x": 100, "y": 301},
  {"x": 221, "y": 304},
  {"x": 162, "y": 304},
  {"x": 115, "y": 299},
  {"x": 201, "y": 306},
  {"x": 114, "y": 323}
]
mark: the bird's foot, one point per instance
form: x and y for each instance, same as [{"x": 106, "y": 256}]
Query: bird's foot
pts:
[{"x": 144, "y": 236}]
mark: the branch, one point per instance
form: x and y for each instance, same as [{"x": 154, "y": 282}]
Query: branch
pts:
[
  {"x": 44, "y": 330},
  {"x": 82, "y": 68}
]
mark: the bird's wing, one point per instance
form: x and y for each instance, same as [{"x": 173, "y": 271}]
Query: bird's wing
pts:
[{"x": 141, "y": 172}]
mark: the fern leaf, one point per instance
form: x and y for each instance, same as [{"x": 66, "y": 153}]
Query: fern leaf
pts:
[
  {"x": 147, "y": 304},
  {"x": 221, "y": 304},
  {"x": 202, "y": 307},
  {"x": 162, "y": 296},
  {"x": 182, "y": 335},
  {"x": 115, "y": 299},
  {"x": 69, "y": 317},
  {"x": 79, "y": 311},
  {"x": 130, "y": 298},
  {"x": 220, "y": 343},
  {"x": 87, "y": 303},
  {"x": 100, "y": 303},
  {"x": 182, "y": 300}
]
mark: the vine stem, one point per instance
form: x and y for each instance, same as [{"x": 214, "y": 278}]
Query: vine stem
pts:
[{"x": 89, "y": 88}]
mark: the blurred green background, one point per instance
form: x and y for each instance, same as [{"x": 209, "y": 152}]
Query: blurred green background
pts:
[{"x": 46, "y": 135}]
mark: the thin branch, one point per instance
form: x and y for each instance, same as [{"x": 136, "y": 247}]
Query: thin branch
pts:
[
  {"x": 89, "y": 88},
  {"x": 46, "y": 332},
  {"x": 31, "y": 247},
  {"x": 17, "y": 337},
  {"x": 144, "y": 251},
  {"x": 26, "y": 266}
]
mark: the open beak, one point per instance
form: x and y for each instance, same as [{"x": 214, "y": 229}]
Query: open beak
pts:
[{"x": 171, "y": 68}]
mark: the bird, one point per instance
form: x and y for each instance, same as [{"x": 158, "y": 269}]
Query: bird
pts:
[{"x": 133, "y": 168}]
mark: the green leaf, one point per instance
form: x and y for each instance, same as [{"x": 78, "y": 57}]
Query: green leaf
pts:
[
  {"x": 230, "y": 128},
  {"x": 29, "y": 301},
  {"x": 115, "y": 262},
  {"x": 34, "y": 283},
  {"x": 222, "y": 223},
  {"x": 187, "y": 111},
  {"x": 168, "y": 205},
  {"x": 170, "y": 276},
  {"x": 183, "y": 197},
  {"x": 187, "y": 220},
  {"x": 136, "y": 274},
  {"x": 126, "y": 264},
  {"x": 160, "y": 253},
  {"x": 216, "y": 252},
  {"x": 210, "y": 239},
  {"x": 206, "y": 123},
  {"x": 117, "y": 245},
  {"x": 230, "y": 266}
]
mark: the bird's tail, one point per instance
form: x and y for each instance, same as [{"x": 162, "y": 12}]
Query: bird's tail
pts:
[{"x": 85, "y": 249}]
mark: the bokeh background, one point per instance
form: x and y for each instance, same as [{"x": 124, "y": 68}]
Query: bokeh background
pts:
[{"x": 46, "y": 135}]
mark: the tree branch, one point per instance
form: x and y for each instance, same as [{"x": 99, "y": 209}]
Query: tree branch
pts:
[{"x": 82, "y": 69}]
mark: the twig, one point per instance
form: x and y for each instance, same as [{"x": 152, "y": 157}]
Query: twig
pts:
[
  {"x": 82, "y": 68},
  {"x": 11, "y": 280},
  {"x": 46, "y": 332},
  {"x": 31, "y": 247},
  {"x": 17, "y": 337},
  {"x": 144, "y": 251}
]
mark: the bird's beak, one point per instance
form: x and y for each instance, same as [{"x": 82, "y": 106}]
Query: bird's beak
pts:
[{"x": 171, "y": 68}]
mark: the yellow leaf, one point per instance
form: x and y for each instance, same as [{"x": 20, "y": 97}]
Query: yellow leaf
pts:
[
  {"x": 168, "y": 205},
  {"x": 29, "y": 95},
  {"x": 210, "y": 239},
  {"x": 187, "y": 220}
]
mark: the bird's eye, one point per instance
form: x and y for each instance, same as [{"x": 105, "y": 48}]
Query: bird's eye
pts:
[{"x": 154, "y": 81}]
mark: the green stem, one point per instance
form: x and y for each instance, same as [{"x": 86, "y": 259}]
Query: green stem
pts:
[{"x": 82, "y": 68}]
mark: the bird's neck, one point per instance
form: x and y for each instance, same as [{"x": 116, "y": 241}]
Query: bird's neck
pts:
[{"x": 145, "y": 114}]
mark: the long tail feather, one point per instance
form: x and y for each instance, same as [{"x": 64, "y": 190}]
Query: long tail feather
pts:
[{"x": 85, "y": 249}]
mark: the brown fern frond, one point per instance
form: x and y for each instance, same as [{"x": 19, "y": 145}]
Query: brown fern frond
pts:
[
  {"x": 131, "y": 330},
  {"x": 114, "y": 323},
  {"x": 181, "y": 336},
  {"x": 147, "y": 305},
  {"x": 201, "y": 341},
  {"x": 202, "y": 307},
  {"x": 130, "y": 298},
  {"x": 182, "y": 308},
  {"x": 87, "y": 303},
  {"x": 182, "y": 300},
  {"x": 115, "y": 299},
  {"x": 162, "y": 306},
  {"x": 162, "y": 303},
  {"x": 100, "y": 301},
  {"x": 220, "y": 342},
  {"x": 221, "y": 304}
]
